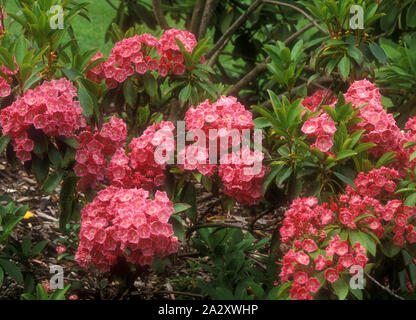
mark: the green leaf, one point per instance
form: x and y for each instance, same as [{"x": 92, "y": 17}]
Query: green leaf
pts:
[
  {"x": 410, "y": 15},
  {"x": 285, "y": 174},
  {"x": 344, "y": 67},
  {"x": 60, "y": 294},
  {"x": 177, "y": 225},
  {"x": 411, "y": 200},
  {"x": 409, "y": 144},
  {"x": 150, "y": 84},
  {"x": 199, "y": 50},
  {"x": 357, "y": 293},
  {"x": 53, "y": 181},
  {"x": 364, "y": 147},
  {"x": 207, "y": 183},
  {"x": 4, "y": 141},
  {"x": 390, "y": 48},
  {"x": 7, "y": 58},
  {"x": 40, "y": 168},
  {"x": 386, "y": 159},
  {"x": 37, "y": 248},
  {"x": 390, "y": 249},
  {"x": 85, "y": 100},
  {"x": 186, "y": 54},
  {"x": 29, "y": 283},
  {"x": 54, "y": 156},
  {"x": 355, "y": 53},
  {"x": 26, "y": 245},
  {"x": 364, "y": 239},
  {"x": 270, "y": 177},
  {"x": 72, "y": 142},
  {"x": 261, "y": 123},
  {"x": 345, "y": 154},
  {"x": 378, "y": 53},
  {"x": 345, "y": 179},
  {"x": 41, "y": 143},
  {"x": 179, "y": 207},
  {"x": 130, "y": 93},
  {"x": 185, "y": 93},
  {"x": 41, "y": 293},
  {"x": 190, "y": 198},
  {"x": 66, "y": 198},
  {"x": 341, "y": 288},
  {"x": 12, "y": 270}
]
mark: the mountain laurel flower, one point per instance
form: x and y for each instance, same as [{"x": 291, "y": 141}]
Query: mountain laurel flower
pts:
[
  {"x": 125, "y": 223},
  {"x": 143, "y": 167},
  {"x": 331, "y": 275},
  {"x": 94, "y": 151},
  {"x": 323, "y": 128},
  {"x": 50, "y": 107},
  {"x": 137, "y": 55}
]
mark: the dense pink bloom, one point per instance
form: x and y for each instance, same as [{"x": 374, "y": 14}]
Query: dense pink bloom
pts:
[
  {"x": 323, "y": 128},
  {"x": 125, "y": 223},
  {"x": 171, "y": 58},
  {"x": 303, "y": 223},
  {"x": 242, "y": 175},
  {"x": 379, "y": 125},
  {"x": 49, "y": 107},
  {"x": 128, "y": 56},
  {"x": 304, "y": 217},
  {"x": 94, "y": 151},
  {"x": 144, "y": 166},
  {"x": 222, "y": 124},
  {"x": 135, "y": 55}
]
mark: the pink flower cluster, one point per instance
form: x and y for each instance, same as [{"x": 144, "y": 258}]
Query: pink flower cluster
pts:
[
  {"x": 217, "y": 121},
  {"x": 128, "y": 56},
  {"x": 135, "y": 54},
  {"x": 373, "y": 202},
  {"x": 196, "y": 157},
  {"x": 380, "y": 126},
  {"x": 144, "y": 166},
  {"x": 323, "y": 128},
  {"x": 125, "y": 223},
  {"x": 222, "y": 124},
  {"x": 240, "y": 179},
  {"x": 305, "y": 217},
  {"x": 411, "y": 125},
  {"x": 94, "y": 149},
  {"x": 5, "y": 88},
  {"x": 299, "y": 264},
  {"x": 375, "y": 196},
  {"x": 49, "y": 107},
  {"x": 316, "y": 99},
  {"x": 223, "y": 115},
  {"x": 171, "y": 58}
]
